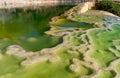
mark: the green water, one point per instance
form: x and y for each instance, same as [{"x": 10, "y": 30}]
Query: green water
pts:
[{"x": 26, "y": 27}]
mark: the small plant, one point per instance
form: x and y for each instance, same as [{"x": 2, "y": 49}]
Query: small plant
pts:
[{"x": 109, "y": 5}]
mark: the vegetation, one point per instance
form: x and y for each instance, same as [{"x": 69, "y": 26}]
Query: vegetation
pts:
[{"x": 109, "y": 5}]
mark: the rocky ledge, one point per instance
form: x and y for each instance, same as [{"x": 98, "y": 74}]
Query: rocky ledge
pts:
[{"x": 31, "y": 57}]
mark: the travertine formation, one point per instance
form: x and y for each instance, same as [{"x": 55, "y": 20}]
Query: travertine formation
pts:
[
  {"x": 31, "y": 57},
  {"x": 81, "y": 8},
  {"x": 80, "y": 42},
  {"x": 83, "y": 48}
]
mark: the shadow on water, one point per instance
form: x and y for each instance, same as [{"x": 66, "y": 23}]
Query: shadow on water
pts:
[{"x": 26, "y": 27}]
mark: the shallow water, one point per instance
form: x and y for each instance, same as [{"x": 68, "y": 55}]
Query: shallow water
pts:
[{"x": 26, "y": 27}]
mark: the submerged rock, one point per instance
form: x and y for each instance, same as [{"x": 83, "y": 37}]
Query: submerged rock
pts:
[{"x": 32, "y": 39}]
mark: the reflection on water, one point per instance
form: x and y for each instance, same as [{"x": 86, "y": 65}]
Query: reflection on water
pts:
[{"x": 26, "y": 27}]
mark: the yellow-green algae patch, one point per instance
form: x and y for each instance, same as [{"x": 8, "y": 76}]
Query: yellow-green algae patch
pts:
[
  {"x": 9, "y": 64},
  {"x": 82, "y": 54},
  {"x": 105, "y": 74},
  {"x": 101, "y": 42},
  {"x": 118, "y": 67}
]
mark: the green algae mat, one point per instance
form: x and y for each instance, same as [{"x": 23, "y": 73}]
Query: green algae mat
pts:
[
  {"x": 83, "y": 46},
  {"x": 27, "y": 26}
]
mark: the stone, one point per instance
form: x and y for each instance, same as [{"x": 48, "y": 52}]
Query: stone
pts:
[
  {"x": 72, "y": 52},
  {"x": 75, "y": 61},
  {"x": 30, "y": 61},
  {"x": 14, "y": 49},
  {"x": 18, "y": 51},
  {"x": 53, "y": 58},
  {"x": 74, "y": 68},
  {"x": 32, "y": 39}
]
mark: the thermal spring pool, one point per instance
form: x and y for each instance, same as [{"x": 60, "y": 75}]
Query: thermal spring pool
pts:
[
  {"x": 26, "y": 27},
  {"x": 48, "y": 43}
]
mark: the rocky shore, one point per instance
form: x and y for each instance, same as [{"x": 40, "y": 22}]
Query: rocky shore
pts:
[{"x": 32, "y": 57}]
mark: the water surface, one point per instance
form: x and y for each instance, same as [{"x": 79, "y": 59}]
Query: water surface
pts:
[{"x": 26, "y": 27}]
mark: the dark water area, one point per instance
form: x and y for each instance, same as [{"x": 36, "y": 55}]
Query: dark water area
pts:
[{"x": 26, "y": 27}]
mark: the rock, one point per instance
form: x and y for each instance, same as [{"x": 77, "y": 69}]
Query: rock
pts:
[
  {"x": 82, "y": 49},
  {"x": 29, "y": 54},
  {"x": 74, "y": 68},
  {"x": 14, "y": 49},
  {"x": 32, "y": 39},
  {"x": 75, "y": 61},
  {"x": 30, "y": 61},
  {"x": 18, "y": 51},
  {"x": 79, "y": 9},
  {"x": 72, "y": 52},
  {"x": 54, "y": 19},
  {"x": 53, "y": 28},
  {"x": 46, "y": 51},
  {"x": 117, "y": 47},
  {"x": 53, "y": 58},
  {"x": 86, "y": 6}
]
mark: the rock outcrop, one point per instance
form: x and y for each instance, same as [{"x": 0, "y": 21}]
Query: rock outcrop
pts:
[
  {"x": 32, "y": 57},
  {"x": 18, "y": 51},
  {"x": 80, "y": 8}
]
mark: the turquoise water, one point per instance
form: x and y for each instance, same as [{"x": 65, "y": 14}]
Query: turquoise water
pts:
[{"x": 26, "y": 27}]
